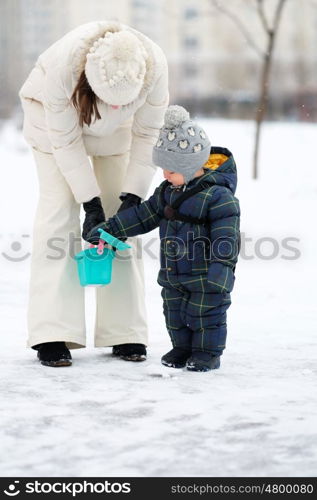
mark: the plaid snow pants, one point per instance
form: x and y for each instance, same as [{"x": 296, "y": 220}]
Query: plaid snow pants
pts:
[{"x": 195, "y": 317}]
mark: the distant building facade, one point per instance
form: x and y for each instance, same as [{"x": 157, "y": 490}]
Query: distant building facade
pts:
[
  {"x": 10, "y": 59},
  {"x": 212, "y": 65}
]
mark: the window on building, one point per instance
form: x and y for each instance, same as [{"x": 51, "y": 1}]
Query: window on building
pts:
[
  {"x": 190, "y": 13},
  {"x": 190, "y": 42},
  {"x": 140, "y": 4},
  {"x": 190, "y": 70}
]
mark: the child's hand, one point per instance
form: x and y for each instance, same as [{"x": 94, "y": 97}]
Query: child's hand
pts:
[{"x": 93, "y": 236}]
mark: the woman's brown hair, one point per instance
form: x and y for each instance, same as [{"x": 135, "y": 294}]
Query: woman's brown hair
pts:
[{"x": 85, "y": 101}]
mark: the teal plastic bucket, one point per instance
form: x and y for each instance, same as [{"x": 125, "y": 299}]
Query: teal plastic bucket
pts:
[
  {"x": 95, "y": 264},
  {"x": 94, "y": 269}
]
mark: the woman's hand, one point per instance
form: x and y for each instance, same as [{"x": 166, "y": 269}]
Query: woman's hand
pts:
[
  {"x": 94, "y": 215},
  {"x": 128, "y": 200}
]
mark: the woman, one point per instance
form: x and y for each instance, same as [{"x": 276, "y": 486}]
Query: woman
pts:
[{"x": 101, "y": 91}]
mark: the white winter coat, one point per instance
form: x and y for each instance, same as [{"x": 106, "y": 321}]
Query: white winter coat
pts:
[{"x": 51, "y": 122}]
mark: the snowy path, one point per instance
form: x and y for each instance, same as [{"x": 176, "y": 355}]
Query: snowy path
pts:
[{"x": 256, "y": 416}]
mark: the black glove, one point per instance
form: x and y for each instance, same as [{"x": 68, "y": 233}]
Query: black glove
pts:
[
  {"x": 93, "y": 236},
  {"x": 94, "y": 215},
  {"x": 128, "y": 200}
]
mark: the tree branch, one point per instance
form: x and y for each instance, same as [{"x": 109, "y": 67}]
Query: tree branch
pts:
[
  {"x": 278, "y": 13},
  {"x": 262, "y": 16},
  {"x": 239, "y": 24}
]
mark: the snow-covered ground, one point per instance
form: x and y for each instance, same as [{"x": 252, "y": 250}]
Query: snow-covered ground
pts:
[{"x": 256, "y": 416}]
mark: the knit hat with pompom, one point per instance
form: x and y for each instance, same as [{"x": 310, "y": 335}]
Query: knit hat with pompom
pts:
[
  {"x": 116, "y": 66},
  {"x": 182, "y": 146}
]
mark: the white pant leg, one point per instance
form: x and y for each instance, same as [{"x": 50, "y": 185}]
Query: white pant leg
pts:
[
  {"x": 56, "y": 309},
  {"x": 121, "y": 313}
]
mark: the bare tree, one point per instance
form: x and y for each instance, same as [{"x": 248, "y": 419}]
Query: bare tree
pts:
[{"x": 266, "y": 56}]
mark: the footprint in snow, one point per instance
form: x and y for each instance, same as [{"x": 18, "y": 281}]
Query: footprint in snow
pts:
[{"x": 161, "y": 371}]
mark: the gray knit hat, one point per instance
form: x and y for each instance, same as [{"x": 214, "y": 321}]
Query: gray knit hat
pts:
[{"x": 182, "y": 146}]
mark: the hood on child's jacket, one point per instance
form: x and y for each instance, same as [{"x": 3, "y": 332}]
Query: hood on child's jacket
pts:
[{"x": 222, "y": 169}]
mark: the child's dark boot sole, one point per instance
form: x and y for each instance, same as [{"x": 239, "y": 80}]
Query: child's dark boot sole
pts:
[
  {"x": 176, "y": 358},
  {"x": 173, "y": 365},
  {"x": 199, "y": 366}
]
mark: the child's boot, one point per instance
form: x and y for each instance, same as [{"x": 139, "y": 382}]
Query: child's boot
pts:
[
  {"x": 54, "y": 354},
  {"x": 201, "y": 361},
  {"x": 176, "y": 358}
]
